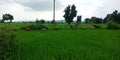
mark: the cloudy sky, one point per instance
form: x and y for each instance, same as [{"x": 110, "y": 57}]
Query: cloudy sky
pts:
[{"x": 42, "y": 9}]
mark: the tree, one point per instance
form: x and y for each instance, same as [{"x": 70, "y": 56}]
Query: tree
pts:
[
  {"x": 87, "y": 20},
  {"x": 42, "y": 21},
  {"x": 99, "y": 20},
  {"x": 70, "y": 13},
  {"x": 115, "y": 17},
  {"x": 93, "y": 20},
  {"x": 118, "y": 17},
  {"x": 107, "y": 18},
  {"x": 79, "y": 19},
  {"x": 96, "y": 20},
  {"x": 37, "y": 20},
  {"x": 1, "y": 21},
  {"x": 7, "y": 17},
  {"x": 53, "y": 22},
  {"x": 77, "y": 22}
]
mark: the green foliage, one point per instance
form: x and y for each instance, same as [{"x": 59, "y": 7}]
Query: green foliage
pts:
[
  {"x": 70, "y": 13},
  {"x": 95, "y": 20},
  {"x": 112, "y": 25},
  {"x": 8, "y": 43},
  {"x": 96, "y": 25},
  {"x": 53, "y": 22},
  {"x": 7, "y": 17},
  {"x": 69, "y": 45},
  {"x": 115, "y": 16},
  {"x": 37, "y": 26},
  {"x": 79, "y": 19},
  {"x": 87, "y": 20},
  {"x": 1, "y": 21},
  {"x": 42, "y": 21},
  {"x": 22, "y": 28}
]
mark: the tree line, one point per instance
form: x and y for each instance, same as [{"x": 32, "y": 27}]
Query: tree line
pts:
[{"x": 71, "y": 12}]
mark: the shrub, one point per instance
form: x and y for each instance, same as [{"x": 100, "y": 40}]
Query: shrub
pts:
[
  {"x": 96, "y": 26},
  {"x": 8, "y": 43},
  {"x": 112, "y": 25},
  {"x": 37, "y": 27},
  {"x": 22, "y": 28}
]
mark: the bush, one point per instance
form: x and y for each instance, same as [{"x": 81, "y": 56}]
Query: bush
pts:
[
  {"x": 22, "y": 28},
  {"x": 37, "y": 27},
  {"x": 96, "y": 26},
  {"x": 8, "y": 43},
  {"x": 112, "y": 25}
]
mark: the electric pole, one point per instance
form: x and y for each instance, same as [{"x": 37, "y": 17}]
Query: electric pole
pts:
[{"x": 54, "y": 10}]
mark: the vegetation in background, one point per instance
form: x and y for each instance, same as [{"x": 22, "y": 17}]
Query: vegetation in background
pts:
[
  {"x": 79, "y": 19},
  {"x": 91, "y": 41},
  {"x": 115, "y": 17},
  {"x": 37, "y": 27},
  {"x": 42, "y": 21},
  {"x": 70, "y": 13},
  {"x": 78, "y": 22},
  {"x": 94, "y": 20},
  {"x": 88, "y": 20},
  {"x": 7, "y": 17},
  {"x": 112, "y": 25},
  {"x": 53, "y": 22}
]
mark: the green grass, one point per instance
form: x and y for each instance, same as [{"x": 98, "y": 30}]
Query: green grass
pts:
[{"x": 68, "y": 44}]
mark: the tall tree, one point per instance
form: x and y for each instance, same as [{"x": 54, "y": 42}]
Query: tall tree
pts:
[
  {"x": 7, "y": 17},
  {"x": 118, "y": 17},
  {"x": 115, "y": 16},
  {"x": 107, "y": 18},
  {"x": 93, "y": 19},
  {"x": 79, "y": 19},
  {"x": 70, "y": 13}
]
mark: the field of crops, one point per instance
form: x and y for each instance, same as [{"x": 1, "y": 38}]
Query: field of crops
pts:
[{"x": 68, "y": 44}]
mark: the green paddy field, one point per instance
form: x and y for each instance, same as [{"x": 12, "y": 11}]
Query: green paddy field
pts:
[{"x": 67, "y": 44}]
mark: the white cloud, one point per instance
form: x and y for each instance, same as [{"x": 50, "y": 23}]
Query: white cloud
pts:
[
  {"x": 42, "y": 9},
  {"x": 39, "y": 5},
  {"x": 107, "y": 6}
]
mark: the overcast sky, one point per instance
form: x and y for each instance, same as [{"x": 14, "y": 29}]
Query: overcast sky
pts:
[{"x": 42, "y": 9}]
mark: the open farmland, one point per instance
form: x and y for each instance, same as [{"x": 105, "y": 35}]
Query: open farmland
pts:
[{"x": 68, "y": 44}]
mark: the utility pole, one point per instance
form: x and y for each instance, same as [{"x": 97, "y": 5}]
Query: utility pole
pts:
[{"x": 54, "y": 11}]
